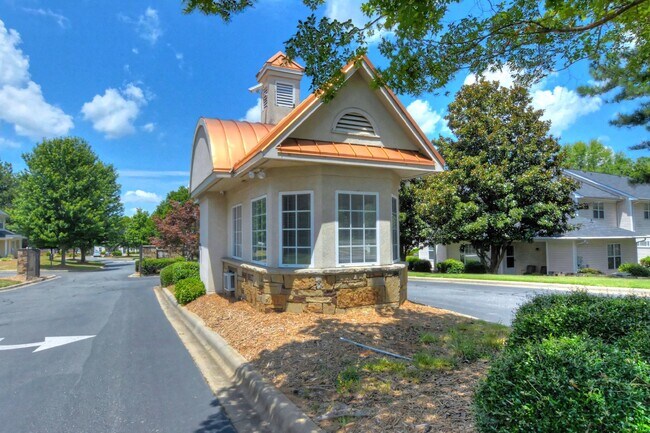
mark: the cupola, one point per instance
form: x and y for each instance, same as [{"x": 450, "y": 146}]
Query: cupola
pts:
[{"x": 279, "y": 87}]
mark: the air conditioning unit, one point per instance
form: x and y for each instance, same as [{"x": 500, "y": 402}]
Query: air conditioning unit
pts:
[{"x": 229, "y": 281}]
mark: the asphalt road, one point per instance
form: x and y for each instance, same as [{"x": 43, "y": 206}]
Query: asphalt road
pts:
[
  {"x": 493, "y": 303},
  {"x": 133, "y": 376}
]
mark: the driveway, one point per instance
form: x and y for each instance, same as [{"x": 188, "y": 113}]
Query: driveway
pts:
[
  {"x": 132, "y": 375},
  {"x": 492, "y": 302}
]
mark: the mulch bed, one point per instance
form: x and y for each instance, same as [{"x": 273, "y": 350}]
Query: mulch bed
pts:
[{"x": 303, "y": 356}]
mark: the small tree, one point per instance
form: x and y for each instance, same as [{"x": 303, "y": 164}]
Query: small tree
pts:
[
  {"x": 140, "y": 229},
  {"x": 181, "y": 195},
  {"x": 7, "y": 185},
  {"x": 179, "y": 230},
  {"x": 504, "y": 181}
]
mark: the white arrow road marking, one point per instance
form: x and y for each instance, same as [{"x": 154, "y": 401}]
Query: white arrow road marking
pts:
[{"x": 48, "y": 343}]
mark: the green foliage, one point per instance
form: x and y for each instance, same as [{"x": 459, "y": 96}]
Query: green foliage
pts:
[
  {"x": 645, "y": 262},
  {"x": 451, "y": 266},
  {"x": 140, "y": 228},
  {"x": 178, "y": 231},
  {"x": 66, "y": 196},
  {"x": 181, "y": 195},
  {"x": 474, "y": 267},
  {"x": 590, "y": 271},
  {"x": 421, "y": 265},
  {"x": 348, "y": 379},
  {"x": 595, "y": 156},
  {"x": 8, "y": 184},
  {"x": 410, "y": 260},
  {"x": 476, "y": 340},
  {"x": 634, "y": 269},
  {"x": 413, "y": 230},
  {"x": 612, "y": 320},
  {"x": 188, "y": 290},
  {"x": 567, "y": 384},
  {"x": 384, "y": 365},
  {"x": 427, "y": 361},
  {"x": 175, "y": 272},
  {"x": 428, "y": 338},
  {"x": 116, "y": 253},
  {"x": 504, "y": 181},
  {"x": 154, "y": 266}
]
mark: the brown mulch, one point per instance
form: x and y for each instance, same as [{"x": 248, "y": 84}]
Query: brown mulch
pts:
[{"x": 302, "y": 355}]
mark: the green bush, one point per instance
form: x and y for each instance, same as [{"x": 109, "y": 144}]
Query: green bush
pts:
[
  {"x": 410, "y": 260},
  {"x": 175, "y": 272},
  {"x": 154, "y": 266},
  {"x": 620, "y": 320},
  {"x": 421, "y": 265},
  {"x": 565, "y": 385},
  {"x": 451, "y": 266},
  {"x": 590, "y": 271},
  {"x": 116, "y": 253},
  {"x": 188, "y": 290},
  {"x": 475, "y": 267},
  {"x": 635, "y": 269},
  {"x": 645, "y": 262}
]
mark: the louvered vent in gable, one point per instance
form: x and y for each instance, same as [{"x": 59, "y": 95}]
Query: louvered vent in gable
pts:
[
  {"x": 355, "y": 123},
  {"x": 265, "y": 97},
  {"x": 284, "y": 95}
]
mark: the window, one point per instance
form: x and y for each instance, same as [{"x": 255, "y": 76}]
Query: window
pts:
[
  {"x": 258, "y": 230},
  {"x": 599, "y": 210},
  {"x": 394, "y": 227},
  {"x": 613, "y": 256},
  {"x": 510, "y": 257},
  {"x": 432, "y": 253},
  {"x": 296, "y": 229},
  {"x": 357, "y": 227},
  {"x": 646, "y": 211},
  {"x": 644, "y": 243},
  {"x": 355, "y": 123},
  {"x": 283, "y": 95},
  {"x": 236, "y": 231},
  {"x": 467, "y": 253}
]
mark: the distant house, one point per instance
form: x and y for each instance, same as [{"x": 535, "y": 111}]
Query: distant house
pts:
[
  {"x": 613, "y": 228},
  {"x": 10, "y": 242},
  {"x": 300, "y": 212}
]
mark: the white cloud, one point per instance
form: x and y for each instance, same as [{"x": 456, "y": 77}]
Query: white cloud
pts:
[
  {"x": 114, "y": 112},
  {"x": 343, "y": 10},
  {"x": 22, "y": 103},
  {"x": 139, "y": 196},
  {"x": 426, "y": 117},
  {"x": 149, "y": 127},
  {"x": 152, "y": 173},
  {"x": 254, "y": 114},
  {"x": 561, "y": 105},
  {"x": 135, "y": 51},
  {"x": 147, "y": 25},
  {"x": 6, "y": 143},
  {"x": 61, "y": 20}
]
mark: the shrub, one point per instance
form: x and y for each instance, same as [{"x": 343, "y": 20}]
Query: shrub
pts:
[
  {"x": 410, "y": 260},
  {"x": 475, "y": 267},
  {"x": 154, "y": 266},
  {"x": 421, "y": 265},
  {"x": 175, "y": 272},
  {"x": 188, "y": 290},
  {"x": 590, "y": 271},
  {"x": 635, "y": 269},
  {"x": 116, "y": 253},
  {"x": 451, "y": 266},
  {"x": 564, "y": 385},
  {"x": 621, "y": 320},
  {"x": 645, "y": 262}
]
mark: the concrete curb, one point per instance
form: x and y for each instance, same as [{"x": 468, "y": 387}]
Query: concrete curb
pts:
[
  {"x": 283, "y": 415},
  {"x": 29, "y": 283},
  {"x": 547, "y": 286}
]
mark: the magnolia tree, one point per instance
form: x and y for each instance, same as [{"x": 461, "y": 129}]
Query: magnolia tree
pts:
[
  {"x": 504, "y": 181},
  {"x": 178, "y": 231}
]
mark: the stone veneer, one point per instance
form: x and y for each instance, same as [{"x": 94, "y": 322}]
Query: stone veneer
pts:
[{"x": 328, "y": 291}]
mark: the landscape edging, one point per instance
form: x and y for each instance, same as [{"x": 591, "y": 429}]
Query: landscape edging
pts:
[
  {"x": 29, "y": 283},
  {"x": 282, "y": 413}
]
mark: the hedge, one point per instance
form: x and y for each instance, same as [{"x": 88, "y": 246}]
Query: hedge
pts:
[
  {"x": 451, "y": 266},
  {"x": 421, "y": 265},
  {"x": 154, "y": 266},
  {"x": 645, "y": 262},
  {"x": 568, "y": 384},
  {"x": 475, "y": 267},
  {"x": 635, "y": 269},
  {"x": 188, "y": 290},
  {"x": 175, "y": 272},
  {"x": 410, "y": 260}
]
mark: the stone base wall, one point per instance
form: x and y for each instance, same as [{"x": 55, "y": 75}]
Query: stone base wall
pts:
[{"x": 328, "y": 291}]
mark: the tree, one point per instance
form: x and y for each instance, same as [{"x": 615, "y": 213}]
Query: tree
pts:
[
  {"x": 413, "y": 230},
  {"x": 7, "y": 185},
  {"x": 140, "y": 229},
  {"x": 181, "y": 195},
  {"x": 179, "y": 230},
  {"x": 66, "y": 197},
  {"x": 504, "y": 181},
  {"x": 595, "y": 156}
]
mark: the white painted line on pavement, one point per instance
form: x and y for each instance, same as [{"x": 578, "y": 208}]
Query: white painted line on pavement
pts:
[{"x": 48, "y": 343}]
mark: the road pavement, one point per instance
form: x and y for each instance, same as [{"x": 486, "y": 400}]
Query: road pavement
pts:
[
  {"x": 133, "y": 375},
  {"x": 490, "y": 302}
]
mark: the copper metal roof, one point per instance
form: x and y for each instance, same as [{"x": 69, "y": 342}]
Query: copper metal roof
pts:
[
  {"x": 306, "y": 147},
  {"x": 280, "y": 60}
]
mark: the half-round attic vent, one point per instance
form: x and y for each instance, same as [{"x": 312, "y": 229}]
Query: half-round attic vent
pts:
[{"x": 354, "y": 122}]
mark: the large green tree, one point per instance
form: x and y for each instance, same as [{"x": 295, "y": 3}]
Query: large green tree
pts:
[
  {"x": 180, "y": 195},
  {"x": 595, "y": 156},
  {"x": 504, "y": 181},
  {"x": 66, "y": 197},
  {"x": 7, "y": 185},
  {"x": 140, "y": 229},
  {"x": 413, "y": 230}
]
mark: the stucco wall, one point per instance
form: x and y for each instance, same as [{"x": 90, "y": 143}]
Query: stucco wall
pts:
[
  {"x": 212, "y": 239},
  {"x": 201, "y": 160}
]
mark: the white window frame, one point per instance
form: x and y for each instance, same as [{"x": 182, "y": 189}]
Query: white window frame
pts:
[
  {"x": 378, "y": 219},
  {"x": 598, "y": 208},
  {"x": 293, "y": 94},
  {"x": 614, "y": 255},
  {"x": 394, "y": 243},
  {"x": 311, "y": 229},
  {"x": 646, "y": 211},
  {"x": 233, "y": 222},
  {"x": 643, "y": 244},
  {"x": 266, "y": 229}
]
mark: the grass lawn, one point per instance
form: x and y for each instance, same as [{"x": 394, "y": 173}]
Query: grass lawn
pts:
[
  {"x": 629, "y": 283},
  {"x": 8, "y": 264},
  {"x": 7, "y": 283},
  {"x": 70, "y": 264}
]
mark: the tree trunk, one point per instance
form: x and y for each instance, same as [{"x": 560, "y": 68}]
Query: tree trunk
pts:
[
  {"x": 63, "y": 256},
  {"x": 83, "y": 255},
  {"x": 497, "y": 253}
]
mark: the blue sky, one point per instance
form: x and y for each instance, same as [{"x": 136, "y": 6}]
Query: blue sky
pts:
[{"x": 132, "y": 78}]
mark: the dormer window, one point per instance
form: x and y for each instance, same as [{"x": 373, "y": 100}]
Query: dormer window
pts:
[
  {"x": 646, "y": 211},
  {"x": 284, "y": 95},
  {"x": 355, "y": 122},
  {"x": 599, "y": 210}
]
